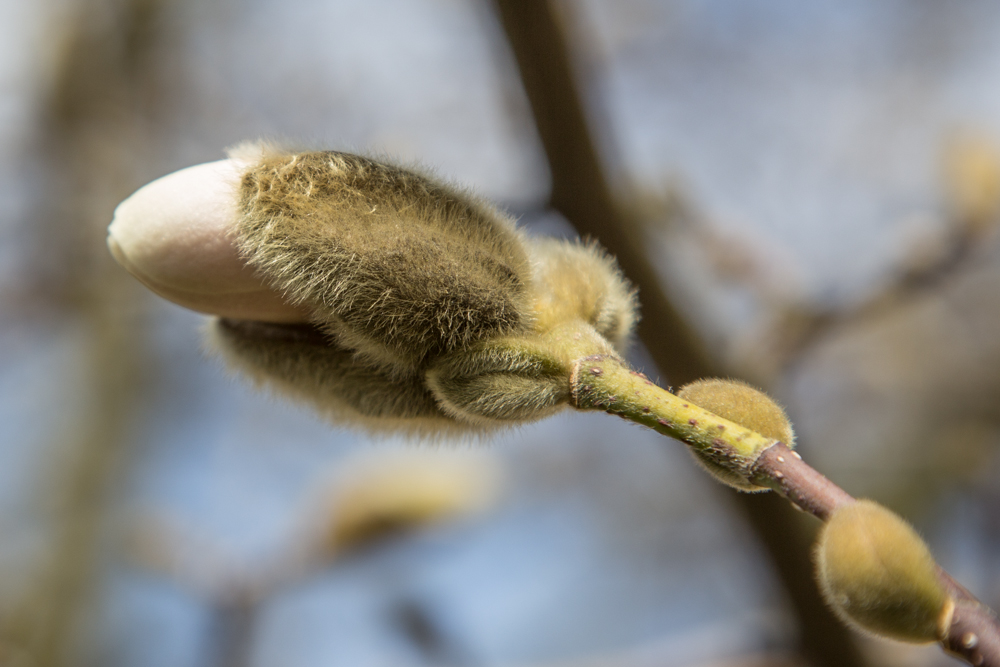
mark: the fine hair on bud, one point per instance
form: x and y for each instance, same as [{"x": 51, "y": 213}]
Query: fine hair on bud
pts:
[
  {"x": 501, "y": 382},
  {"x": 394, "y": 265},
  {"x": 577, "y": 280},
  {"x": 744, "y": 405},
  {"x": 301, "y": 363},
  {"x": 878, "y": 575}
]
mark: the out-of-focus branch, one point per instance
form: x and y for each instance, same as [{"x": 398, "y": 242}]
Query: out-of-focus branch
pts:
[
  {"x": 374, "y": 500},
  {"x": 579, "y": 188},
  {"x": 84, "y": 143},
  {"x": 581, "y": 192},
  {"x": 971, "y": 190}
]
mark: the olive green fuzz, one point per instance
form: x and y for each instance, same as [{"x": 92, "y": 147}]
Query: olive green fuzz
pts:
[
  {"x": 603, "y": 383},
  {"x": 877, "y": 574}
]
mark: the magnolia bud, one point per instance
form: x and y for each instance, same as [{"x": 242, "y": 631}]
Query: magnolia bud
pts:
[
  {"x": 394, "y": 302},
  {"x": 877, "y": 574},
  {"x": 506, "y": 381},
  {"x": 175, "y": 235},
  {"x": 581, "y": 281},
  {"x": 394, "y": 265},
  {"x": 741, "y": 404},
  {"x": 305, "y": 365}
]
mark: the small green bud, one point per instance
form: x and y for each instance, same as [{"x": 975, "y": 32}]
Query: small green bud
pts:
[
  {"x": 577, "y": 281},
  {"x": 741, "y": 404},
  {"x": 877, "y": 574},
  {"x": 507, "y": 380},
  {"x": 394, "y": 265},
  {"x": 514, "y": 379}
]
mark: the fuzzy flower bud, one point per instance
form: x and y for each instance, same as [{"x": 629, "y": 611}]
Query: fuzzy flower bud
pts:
[
  {"x": 742, "y": 404},
  {"x": 877, "y": 574},
  {"x": 386, "y": 299},
  {"x": 394, "y": 265},
  {"x": 581, "y": 281},
  {"x": 175, "y": 235},
  {"x": 304, "y": 365},
  {"x": 514, "y": 379}
]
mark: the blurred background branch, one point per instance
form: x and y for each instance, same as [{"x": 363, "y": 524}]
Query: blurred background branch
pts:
[
  {"x": 580, "y": 191},
  {"x": 104, "y": 74}
]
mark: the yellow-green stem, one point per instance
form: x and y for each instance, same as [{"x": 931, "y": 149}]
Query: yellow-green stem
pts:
[{"x": 602, "y": 382}]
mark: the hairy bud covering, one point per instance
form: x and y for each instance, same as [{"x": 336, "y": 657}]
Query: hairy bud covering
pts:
[
  {"x": 304, "y": 365},
  {"x": 505, "y": 380},
  {"x": 383, "y": 298},
  {"x": 582, "y": 281},
  {"x": 394, "y": 265},
  {"x": 877, "y": 574},
  {"x": 742, "y": 404}
]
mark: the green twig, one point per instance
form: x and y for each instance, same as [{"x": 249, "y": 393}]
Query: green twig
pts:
[{"x": 603, "y": 382}]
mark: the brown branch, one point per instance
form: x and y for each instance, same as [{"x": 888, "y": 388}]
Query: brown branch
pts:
[
  {"x": 82, "y": 141},
  {"x": 605, "y": 383},
  {"x": 581, "y": 193},
  {"x": 800, "y": 483},
  {"x": 580, "y": 190},
  {"x": 974, "y": 634},
  {"x": 235, "y": 622}
]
